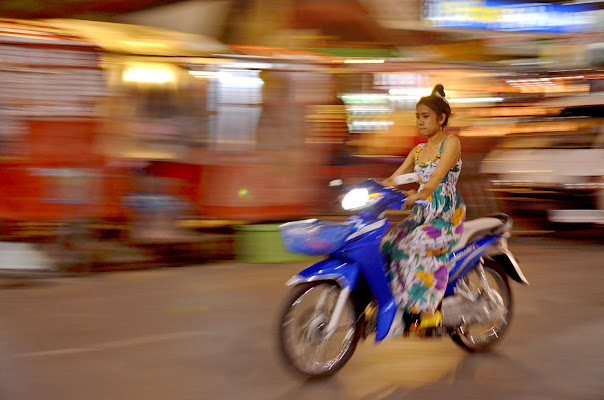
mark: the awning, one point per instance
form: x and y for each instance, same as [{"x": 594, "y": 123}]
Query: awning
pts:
[{"x": 140, "y": 40}]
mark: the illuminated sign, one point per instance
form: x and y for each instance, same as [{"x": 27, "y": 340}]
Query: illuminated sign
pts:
[{"x": 509, "y": 16}]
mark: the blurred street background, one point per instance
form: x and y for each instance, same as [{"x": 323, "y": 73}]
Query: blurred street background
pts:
[
  {"x": 153, "y": 135},
  {"x": 153, "y": 130}
]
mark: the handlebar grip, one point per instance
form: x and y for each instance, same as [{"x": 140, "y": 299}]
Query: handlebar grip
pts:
[
  {"x": 418, "y": 202},
  {"x": 406, "y": 178}
]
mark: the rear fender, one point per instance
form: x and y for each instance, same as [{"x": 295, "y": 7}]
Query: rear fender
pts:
[
  {"x": 502, "y": 255},
  {"x": 510, "y": 266}
]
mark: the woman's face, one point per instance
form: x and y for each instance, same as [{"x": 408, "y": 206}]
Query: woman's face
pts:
[{"x": 428, "y": 123}]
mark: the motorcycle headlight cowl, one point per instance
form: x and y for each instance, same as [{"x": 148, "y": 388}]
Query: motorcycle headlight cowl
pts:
[{"x": 359, "y": 198}]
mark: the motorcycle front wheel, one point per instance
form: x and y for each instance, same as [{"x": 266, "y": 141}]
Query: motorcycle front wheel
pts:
[
  {"x": 303, "y": 340},
  {"x": 479, "y": 337}
]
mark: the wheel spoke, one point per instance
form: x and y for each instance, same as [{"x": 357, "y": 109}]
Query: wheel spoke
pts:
[
  {"x": 341, "y": 329},
  {"x": 319, "y": 349}
]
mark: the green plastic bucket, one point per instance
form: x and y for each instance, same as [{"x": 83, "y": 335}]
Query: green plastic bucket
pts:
[{"x": 261, "y": 243}]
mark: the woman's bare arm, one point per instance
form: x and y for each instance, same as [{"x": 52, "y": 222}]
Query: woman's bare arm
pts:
[{"x": 406, "y": 167}]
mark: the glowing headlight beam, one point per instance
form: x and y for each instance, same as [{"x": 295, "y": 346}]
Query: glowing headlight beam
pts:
[{"x": 356, "y": 198}]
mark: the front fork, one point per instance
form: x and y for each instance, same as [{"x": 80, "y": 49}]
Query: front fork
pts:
[
  {"x": 337, "y": 312},
  {"x": 322, "y": 304}
]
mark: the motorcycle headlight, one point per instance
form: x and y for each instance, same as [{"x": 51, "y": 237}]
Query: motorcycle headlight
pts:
[{"x": 359, "y": 198}]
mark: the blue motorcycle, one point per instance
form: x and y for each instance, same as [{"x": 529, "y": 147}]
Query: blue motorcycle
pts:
[{"x": 346, "y": 296}]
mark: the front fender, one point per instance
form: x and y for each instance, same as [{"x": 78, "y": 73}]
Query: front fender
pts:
[
  {"x": 344, "y": 273},
  {"x": 347, "y": 276}
]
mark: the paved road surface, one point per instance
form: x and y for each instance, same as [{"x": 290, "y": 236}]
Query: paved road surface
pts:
[{"x": 208, "y": 332}]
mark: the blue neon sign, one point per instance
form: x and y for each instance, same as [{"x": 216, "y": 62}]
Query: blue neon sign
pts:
[{"x": 509, "y": 16}]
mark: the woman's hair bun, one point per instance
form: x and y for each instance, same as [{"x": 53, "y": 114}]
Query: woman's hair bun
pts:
[
  {"x": 437, "y": 102},
  {"x": 439, "y": 90}
]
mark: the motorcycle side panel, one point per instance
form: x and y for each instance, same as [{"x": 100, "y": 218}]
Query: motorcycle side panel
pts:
[
  {"x": 466, "y": 259},
  {"x": 374, "y": 268},
  {"x": 372, "y": 262},
  {"x": 384, "y": 320}
]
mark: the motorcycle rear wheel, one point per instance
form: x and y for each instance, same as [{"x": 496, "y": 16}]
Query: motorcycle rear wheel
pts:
[
  {"x": 302, "y": 342},
  {"x": 481, "y": 337}
]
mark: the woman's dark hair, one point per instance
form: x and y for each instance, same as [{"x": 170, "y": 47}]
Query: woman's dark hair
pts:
[{"x": 437, "y": 102}]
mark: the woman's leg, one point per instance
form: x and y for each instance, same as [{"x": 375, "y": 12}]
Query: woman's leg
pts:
[
  {"x": 397, "y": 258},
  {"x": 425, "y": 273}
]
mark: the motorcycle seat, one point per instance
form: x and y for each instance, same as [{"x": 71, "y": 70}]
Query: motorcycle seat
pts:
[{"x": 476, "y": 229}]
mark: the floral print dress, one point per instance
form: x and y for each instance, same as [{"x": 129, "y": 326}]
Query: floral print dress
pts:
[{"x": 418, "y": 249}]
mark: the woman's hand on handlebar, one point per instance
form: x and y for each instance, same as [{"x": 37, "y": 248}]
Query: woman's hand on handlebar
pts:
[
  {"x": 389, "y": 182},
  {"x": 412, "y": 197}
]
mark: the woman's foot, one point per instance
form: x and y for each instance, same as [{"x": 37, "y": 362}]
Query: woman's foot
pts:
[{"x": 431, "y": 320}]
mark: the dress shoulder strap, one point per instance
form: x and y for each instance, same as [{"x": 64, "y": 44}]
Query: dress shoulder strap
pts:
[{"x": 440, "y": 150}]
